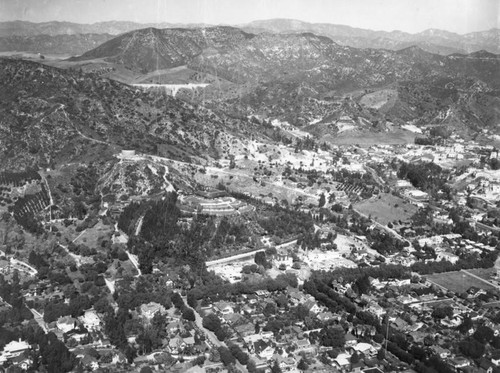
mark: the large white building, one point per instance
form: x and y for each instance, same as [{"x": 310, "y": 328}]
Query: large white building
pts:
[{"x": 13, "y": 349}]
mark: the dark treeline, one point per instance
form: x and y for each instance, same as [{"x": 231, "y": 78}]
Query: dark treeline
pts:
[{"x": 426, "y": 176}]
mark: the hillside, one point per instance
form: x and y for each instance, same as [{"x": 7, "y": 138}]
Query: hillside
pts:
[
  {"x": 153, "y": 49},
  {"x": 52, "y": 116},
  {"x": 302, "y": 78}
]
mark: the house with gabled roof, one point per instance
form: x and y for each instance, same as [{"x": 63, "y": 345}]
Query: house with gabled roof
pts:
[
  {"x": 150, "y": 309},
  {"x": 224, "y": 308},
  {"x": 176, "y": 345},
  {"x": 312, "y": 306},
  {"x": 66, "y": 323}
]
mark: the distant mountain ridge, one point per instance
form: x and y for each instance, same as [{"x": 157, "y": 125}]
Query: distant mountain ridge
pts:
[
  {"x": 153, "y": 49},
  {"x": 74, "y": 44},
  {"x": 24, "y": 28},
  {"x": 432, "y": 40}
]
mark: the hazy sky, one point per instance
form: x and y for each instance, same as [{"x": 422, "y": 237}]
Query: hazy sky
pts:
[{"x": 459, "y": 16}]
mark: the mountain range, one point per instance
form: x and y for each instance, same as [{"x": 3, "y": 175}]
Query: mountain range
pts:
[
  {"x": 432, "y": 40},
  {"x": 51, "y": 115},
  {"x": 290, "y": 76}
]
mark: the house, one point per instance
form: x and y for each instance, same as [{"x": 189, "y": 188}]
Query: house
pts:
[
  {"x": 176, "y": 345},
  {"x": 474, "y": 291},
  {"x": 174, "y": 327},
  {"x": 350, "y": 340},
  {"x": 90, "y": 320},
  {"x": 149, "y": 310},
  {"x": 66, "y": 323},
  {"x": 444, "y": 255},
  {"x": 189, "y": 341},
  {"x": 266, "y": 334},
  {"x": 406, "y": 299},
  {"x": 325, "y": 316},
  {"x": 13, "y": 349},
  {"x": 260, "y": 364},
  {"x": 312, "y": 306},
  {"x": 285, "y": 259},
  {"x": 296, "y": 296},
  {"x": 487, "y": 365},
  {"x": 285, "y": 362},
  {"x": 303, "y": 345},
  {"x": 495, "y": 359},
  {"x": 452, "y": 322},
  {"x": 265, "y": 352},
  {"x": 342, "y": 361},
  {"x": 458, "y": 362},
  {"x": 443, "y": 353},
  {"x": 376, "y": 309},
  {"x": 90, "y": 362},
  {"x": 224, "y": 308},
  {"x": 23, "y": 361},
  {"x": 245, "y": 330},
  {"x": 365, "y": 348}
]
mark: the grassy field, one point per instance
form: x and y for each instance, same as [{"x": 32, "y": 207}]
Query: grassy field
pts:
[
  {"x": 485, "y": 273},
  {"x": 369, "y": 138},
  {"x": 378, "y": 99},
  {"x": 93, "y": 236},
  {"x": 387, "y": 209},
  {"x": 459, "y": 281}
]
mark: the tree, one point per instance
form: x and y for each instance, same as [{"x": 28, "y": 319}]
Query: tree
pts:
[
  {"x": 260, "y": 258},
  {"x": 191, "y": 300},
  {"x": 483, "y": 334},
  {"x": 472, "y": 348},
  {"x": 302, "y": 365},
  {"x": 177, "y": 301},
  {"x": 241, "y": 356},
  {"x": 322, "y": 200},
  {"x": 188, "y": 314},
  {"x": 363, "y": 284},
  {"x": 442, "y": 312},
  {"x": 355, "y": 358},
  {"x": 276, "y": 368},
  {"x": 257, "y": 327},
  {"x": 226, "y": 356},
  {"x": 332, "y": 337},
  {"x": 251, "y": 366},
  {"x": 55, "y": 354},
  {"x": 200, "y": 360},
  {"x": 212, "y": 322}
]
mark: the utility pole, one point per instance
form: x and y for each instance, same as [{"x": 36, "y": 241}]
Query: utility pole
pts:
[{"x": 387, "y": 332}]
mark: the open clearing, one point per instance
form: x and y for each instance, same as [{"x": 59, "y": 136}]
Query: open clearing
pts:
[
  {"x": 384, "y": 98},
  {"x": 93, "y": 236},
  {"x": 387, "y": 208},
  {"x": 370, "y": 138},
  {"x": 459, "y": 281}
]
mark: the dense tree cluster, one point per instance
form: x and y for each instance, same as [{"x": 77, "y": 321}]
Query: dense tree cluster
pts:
[
  {"x": 284, "y": 223},
  {"x": 329, "y": 297},
  {"x": 426, "y": 176}
]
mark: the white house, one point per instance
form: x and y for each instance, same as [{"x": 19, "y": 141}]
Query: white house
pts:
[
  {"x": 13, "y": 349},
  {"x": 224, "y": 308},
  {"x": 66, "y": 323},
  {"x": 149, "y": 310},
  {"x": 90, "y": 320}
]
